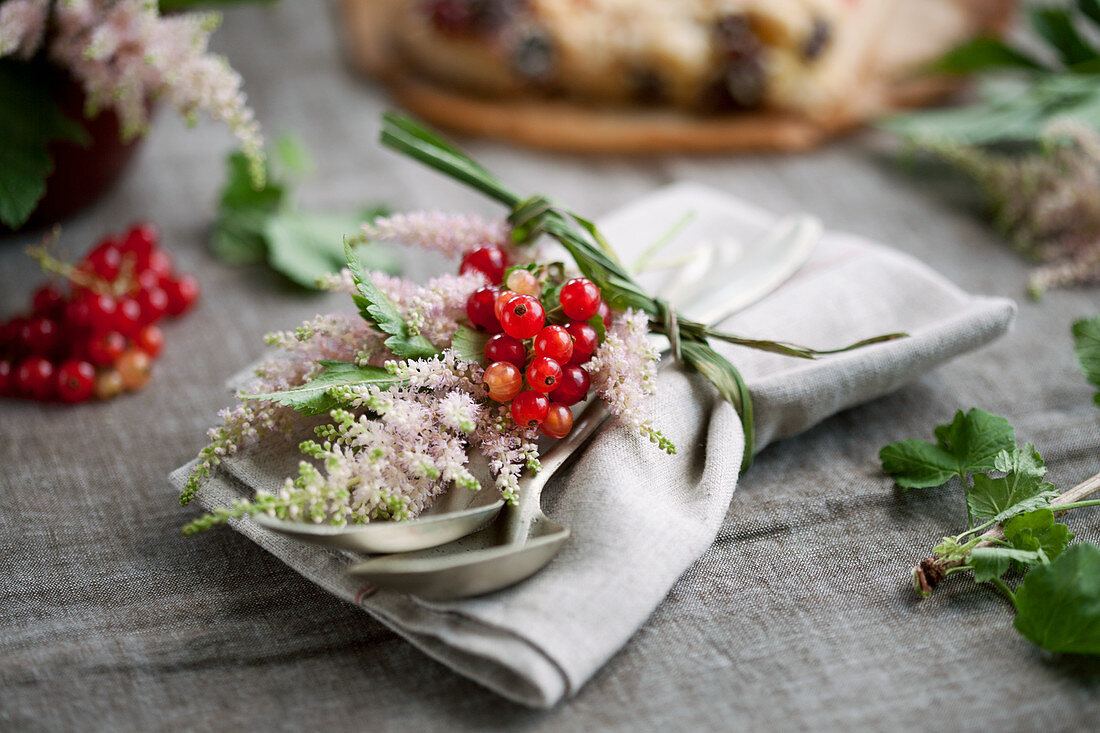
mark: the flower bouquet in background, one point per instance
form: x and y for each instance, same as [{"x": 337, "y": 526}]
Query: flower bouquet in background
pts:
[
  {"x": 79, "y": 80},
  {"x": 1031, "y": 142},
  {"x": 484, "y": 361}
]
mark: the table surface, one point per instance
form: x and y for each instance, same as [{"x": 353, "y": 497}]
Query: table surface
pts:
[{"x": 109, "y": 618}]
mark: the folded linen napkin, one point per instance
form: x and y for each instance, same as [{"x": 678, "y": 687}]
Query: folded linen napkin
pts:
[{"x": 639, "y": 518}]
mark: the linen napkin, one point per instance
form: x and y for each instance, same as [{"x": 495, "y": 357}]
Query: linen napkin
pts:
[{"x": 640, "y": 518}]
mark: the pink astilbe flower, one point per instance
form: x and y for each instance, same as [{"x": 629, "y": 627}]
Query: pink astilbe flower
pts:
[
  {"x": 22, "y": 23},
  {"x": 125, "y": 55},
  {"x": 624, "y": 373},
  {"x": 450, "y": 234}
]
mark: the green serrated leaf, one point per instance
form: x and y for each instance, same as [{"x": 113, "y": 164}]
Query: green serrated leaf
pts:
[
  {"x": 469, "y": 345},
  {"x": 305, "y": 247},
  {"x": 968, "y": 444},
  {"x": 999, "y": 499},
  {"x": 1025, "y": 460},
  {"x": 313, "y": 398},
  {"x": 238, "y": 236},
  {"x": 1058, "y": 604},
  {"x": 29, "y": 121},
  {"x": 1086, "y": 344},
  {"x": 993, "y": 562},
  {"x": 1037, "y": 530},
  {"x": 377, "y": 309}
]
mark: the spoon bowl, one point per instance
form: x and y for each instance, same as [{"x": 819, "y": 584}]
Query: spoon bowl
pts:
[{"x": 439, "y": 525}]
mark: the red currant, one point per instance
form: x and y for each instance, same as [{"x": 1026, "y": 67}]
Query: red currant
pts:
[
  {"x": 555, "y": 343},
  {"x": 523, "y": 282},
  {"x": 134, "y": 367},
  {"x": 140, "y": 242},
  {"x": 504, "y": 380},
  {"x": 558, "y": 422},
  {"x": 604, "y": 312},
  {"x": 108, "y": 384},
  {"x": 182, "y": 292},
  {"x": 543, "y": 374},
  {"x": 101, "y": 311},
  {"x": 160, "y": 262},
  {"x": 503, "y": 347},
  {"x": 40, "y": 336},
  {"x": 105, "y": 260},
  {"x": 479, "y": 309},
  {"x": 48, "y": 301},
  {"x": 153, "y": 303},
  {"x": 572, "y": 386},
  {"x": 10, "y": 334},
  {"x": 585, "y": 341},
  {"x": 522, "y": 317},
  {"x": 489, "y": 261},
  {"x": 7, "y": 378},
  {"x": 104, "y": 348},
  {"x": 76, "y": 381},
  {"x": 580, "y": 298},
  {"x": 150, "y": 340},
  {"x": 78, "y": 315},
  {"x": 35, "y": 378},
  {"x": 529, "y": 408},
  {"x": 128, "y": 320},
  {"x": 502, "y": 300}
]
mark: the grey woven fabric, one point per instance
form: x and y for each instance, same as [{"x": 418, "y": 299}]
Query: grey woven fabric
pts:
[
  {"x": 798, "y": 617},
  {"x": 639, "y": 518}
]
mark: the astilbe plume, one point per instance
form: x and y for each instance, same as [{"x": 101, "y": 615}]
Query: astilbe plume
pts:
[
  {"x": 22, "y": 23},
  {"x": 624, "y": 373},
  {"x": 450, "y": 234},
  {"x": 124, "y": 55},
  {"x": 1048, "y": 202}
]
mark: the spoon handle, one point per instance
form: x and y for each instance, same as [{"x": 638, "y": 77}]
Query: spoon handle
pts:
[{"x": 518, "y": 518}]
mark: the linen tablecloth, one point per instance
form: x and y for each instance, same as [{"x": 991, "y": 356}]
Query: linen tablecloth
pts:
[{"x": 798, "y": 616}]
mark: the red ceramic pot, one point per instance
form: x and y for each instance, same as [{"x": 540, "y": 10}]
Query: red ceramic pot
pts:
[{"x": 81, "y": 174}]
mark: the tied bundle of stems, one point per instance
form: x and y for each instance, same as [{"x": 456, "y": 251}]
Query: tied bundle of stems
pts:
[{"x": 535, "y": 215}]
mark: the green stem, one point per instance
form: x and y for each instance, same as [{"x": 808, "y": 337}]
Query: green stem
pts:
[
  {"x": 1000, "y": 585},
  {"x": 1075, "y": 505}
]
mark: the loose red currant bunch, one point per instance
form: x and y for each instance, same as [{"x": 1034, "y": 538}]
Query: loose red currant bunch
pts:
[
  {"x": 535, "y": 366},
  {"x": 99, "y": 339}
]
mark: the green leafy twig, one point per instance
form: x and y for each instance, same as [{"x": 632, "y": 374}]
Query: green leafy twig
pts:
[
  {"x": 932, "y": 570},
  {"x": 595, "y": 258},
  {"x": 262, "y": 224}
]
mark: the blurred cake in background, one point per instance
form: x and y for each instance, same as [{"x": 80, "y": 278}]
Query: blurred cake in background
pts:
[{"x": 645, "y": 75}]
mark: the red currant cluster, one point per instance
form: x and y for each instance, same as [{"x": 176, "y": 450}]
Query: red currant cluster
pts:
[
  {"x": 549, "y": 356},
  {"x": 101, "y": 339}
]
